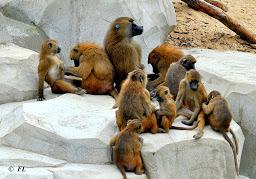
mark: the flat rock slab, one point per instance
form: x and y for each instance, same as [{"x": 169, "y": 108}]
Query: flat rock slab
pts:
[
  {"x": 70, "y": 127},
  {"x": 21, "y": 34},
  {"x": 177, "y": 155},
  {"x": 75, "y": 21},
  {"x": 18, "y": 73},
  {"x": 16, "y": 157},
  {"x": 233, "y": 74}
]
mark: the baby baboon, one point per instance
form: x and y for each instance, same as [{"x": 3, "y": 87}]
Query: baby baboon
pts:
[
  {"x": 134, "y": 102},
  {"x": 94, "y": 68},
  {"x": 123, "y": 52},
  {"x": 50, "y": 69},
  {"x": 217, "y": 110},
  {"x": 160, "y": 58},
  {"x": 167, "y": 112},
  {"x": 126, "y": 148},
  {"x": 176, "y": 72},
  {"x": 191, "y": 95}
]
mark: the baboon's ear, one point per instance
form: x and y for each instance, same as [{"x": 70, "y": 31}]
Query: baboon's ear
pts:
[
  {"x": 50, "y": 45},
  {"x": 134, "y": 77}
]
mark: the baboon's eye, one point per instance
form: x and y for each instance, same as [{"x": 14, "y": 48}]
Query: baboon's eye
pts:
[
  {"x": 76, "y": 50},
  {"x": 50, "y": 45},
  {"x": 166, "y": 92},
  {"x": 117, "y": 26}
]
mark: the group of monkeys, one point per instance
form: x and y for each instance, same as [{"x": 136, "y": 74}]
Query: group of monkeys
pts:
[{"x": 116, "y": 70}]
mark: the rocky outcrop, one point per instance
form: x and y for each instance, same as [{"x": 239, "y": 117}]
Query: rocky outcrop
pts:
[
  {"x": 234, "y": 74},
  {"x": 18, "y": 73},
  {"x": 75, "y": 21}
]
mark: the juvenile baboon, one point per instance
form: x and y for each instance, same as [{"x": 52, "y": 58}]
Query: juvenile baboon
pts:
[
  {"x": 94, "y": 68},
  {"x": 134, "y": 102},
  {"x": 50, "y": 69},
  {"x": 219, "y": 116},
  {"x": 160, "y": 58},
  {"x": 191, "y": 96},
  {"x": 126, "y": 147},
  {"x": 167, "y": 112},
  {"x": 123, "y": 52},
  {"x": 176, "y": 72}
]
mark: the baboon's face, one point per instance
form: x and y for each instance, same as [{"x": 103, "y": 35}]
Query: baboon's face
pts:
[
  {"x": 193, "y": 78},
  {"x": 126, "y": 27},
  {"x": 75, "y": 53},
  {"x": 153, "y": 59},
  {"x": 188, "y": 62},
  {"x": 51, "y": 46},
  {"x": 162, "y": 92},
  {"x": 212, "y": 95}
]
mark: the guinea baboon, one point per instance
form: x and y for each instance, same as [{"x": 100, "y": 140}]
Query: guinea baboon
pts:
[
  {"x": 50, "y": 69},
  {"x": 126, "y": 147},
  {"x": 94, "y": 68},
  {"x": 176, "y": 72},
  {"x": 219, "y": 116},
  {"x": 123, "y": 52},
  {"x": 134, "y": 102},
  {"x": 160, "y": 58}
]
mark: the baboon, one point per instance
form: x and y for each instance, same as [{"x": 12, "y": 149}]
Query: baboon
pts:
[
  {"x": 123, "y": 52},
  {"x": 160, "y": 58},
  {"x": 134, "y": 102},
  {"x": 219, "y": 117},
  {"x": 50, "y": 69},
  {"x": 126, "y": 147},
  {"x": 190, "y": 97},
  {"x": 176, "y": 72},
  {"x": 167, "y": 112},
  {"x": 94, "y": 68}
]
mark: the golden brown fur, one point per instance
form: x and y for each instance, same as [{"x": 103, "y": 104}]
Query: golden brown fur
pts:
[
  {"x": 134, "y": 102},
  {"x": 167, "y": 112},
  {"x": 127, "y": 148},
  {"x": 160, "y": 58},
  {"x": 219, "y": 117},
  {"x": 190, "y": 97},
  {"x": 123, "y": 51},
  {"x": 94, "y": 68},
  {"x": 50, "y": 69}
]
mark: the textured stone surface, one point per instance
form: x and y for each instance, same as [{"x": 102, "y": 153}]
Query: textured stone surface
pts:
[
  {"x": 86, "y": 171},
  {"x": 177, "y": 155},
  {"x": 72, "y": 21},
  {"x": 29, "y": 173},
  {"x": 16, "y": 157},
  {"x": 234, "y": 74},
  {"x": 70, "y": 127},
  {"x": 18, "y": 73},
  {"x": 19, "y": 33}
]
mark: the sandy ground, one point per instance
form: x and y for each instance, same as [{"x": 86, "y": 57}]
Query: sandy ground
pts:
[{"x": 197, "y": 29}]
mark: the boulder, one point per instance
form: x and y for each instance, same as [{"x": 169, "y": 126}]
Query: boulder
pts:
[
  {"x": 177, "y": 155},
  {"x": 18, "y": 73},
  {"x": 75, "y": 21},
  {"x": 234, "y": 74},
  {"x": 19, "y": 33},
  {"x": 70, "y": 127}
]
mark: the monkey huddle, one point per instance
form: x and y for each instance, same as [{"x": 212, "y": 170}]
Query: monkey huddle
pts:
[{"x": 117, "y": 67}]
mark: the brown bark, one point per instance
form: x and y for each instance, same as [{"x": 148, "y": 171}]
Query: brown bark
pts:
[
  {"x": 219, "y": 14},
  {"x": 218, "y": 4}
]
